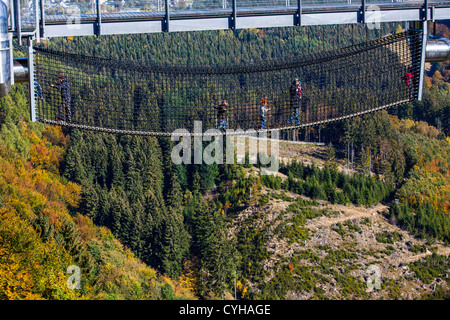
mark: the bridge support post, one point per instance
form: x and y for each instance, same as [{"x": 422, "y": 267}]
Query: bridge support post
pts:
[
  {"x": 167, "y": 19},
  {"x": 363, "y": 11},
  {"x": 425, "y": 11},
  {"x": 232, "y": 24},
  {"x": 298, "y": 20},
  {"x": 42, "y": 21},
  {"x": 18, "y": 22},
  {"x": 32, "y": 96},
  {"x": 423, "y": 26},
  {"x": 36, "y": 17},
  {"x": 99, "y": 19},
  {"x": 422, "y": 59}
]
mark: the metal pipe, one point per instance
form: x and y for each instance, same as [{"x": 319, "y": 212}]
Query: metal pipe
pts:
[
  {"x": 7, "y": 3},
  {"x": 11, "y": 15},
  {"x": 5, "y": 52},
  {"x": 437, "y": 50},
  {"x": 422, "y": 59},
  {"x": 20, "y": 70}
]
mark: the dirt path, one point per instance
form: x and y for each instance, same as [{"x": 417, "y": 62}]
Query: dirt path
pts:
[
  {"x": 443, "y": 251},
  {"x": 354, "y": 213},
  {"x": 350, "y": 213}
]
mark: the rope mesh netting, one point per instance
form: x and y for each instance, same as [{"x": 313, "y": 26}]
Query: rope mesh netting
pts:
[{"x": 127, "y": 97}]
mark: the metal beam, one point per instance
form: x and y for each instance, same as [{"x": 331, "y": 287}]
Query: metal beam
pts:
[
  {"x": 234, "y": 15},
  {"x": 194, "y": 20},
  {"x": 167, "y": 18},
  {"x": 33, "y": 115},
  {"x": 99, "y": 19},
  {"x": 42, "y": 19},
  {"x": 36, "y": 23},
  {"x": 18, "y": 22},
  {"x": 363, "y": 11},
  {"x": 299, "y": 13},
  {"x": 422, "y": 59},
  {"x": 12, "y": 16}
]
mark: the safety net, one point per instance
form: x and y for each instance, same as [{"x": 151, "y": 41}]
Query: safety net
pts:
[{"x": 128, "y": 97}]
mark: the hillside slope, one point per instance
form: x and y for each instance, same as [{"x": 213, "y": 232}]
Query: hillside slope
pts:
[
  {"x": 318, "y": 249},
  {"x": 41, "y": 231}
]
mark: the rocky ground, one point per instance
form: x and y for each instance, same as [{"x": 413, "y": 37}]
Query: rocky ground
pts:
[{"x": 348, "y": 229}]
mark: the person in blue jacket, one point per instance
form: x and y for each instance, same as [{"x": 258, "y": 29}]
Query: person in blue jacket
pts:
[{"x": 38, "y": 91}]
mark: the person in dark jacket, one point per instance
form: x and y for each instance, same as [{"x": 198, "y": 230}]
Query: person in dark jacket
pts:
[
  {"x": 295, "y": 92},
  {"x": 222, "y": 115},
  {"x": 63, "y": 86}
]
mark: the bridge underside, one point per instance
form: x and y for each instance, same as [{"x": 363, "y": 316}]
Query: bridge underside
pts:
[{"x": 217, "y": 19}]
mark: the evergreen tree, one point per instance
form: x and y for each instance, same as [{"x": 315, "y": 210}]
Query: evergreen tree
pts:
[
  {"x": 115, "y": 170},
  {"x": 89, "y": 201},
  {"x": 331, "y": 153},
  {"x": 133, "y": 178},
  {"x": 115, "y": 212},
  {"x": 136, "y": 240},
  {"x": 174, "y": 244},
  {"x": 175, "y": 195},
  {"x": 103, "y": 217},
  {"x": 74, "y": 169},
  {"x": 154, "y": 212}
]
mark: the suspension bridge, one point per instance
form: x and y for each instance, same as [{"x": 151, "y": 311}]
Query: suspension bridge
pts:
[{"x": 133, "y": 97}]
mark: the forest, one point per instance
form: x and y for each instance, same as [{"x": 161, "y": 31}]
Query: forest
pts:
[{"x": 142, "y": 227}]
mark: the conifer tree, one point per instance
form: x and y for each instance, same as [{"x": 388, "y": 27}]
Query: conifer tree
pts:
[
  {"x": 115, "y": 163},
  {"x": 175, "y": 195},
  {"x": 174, "y": 244},
  {"x": 89, "y": 201}
]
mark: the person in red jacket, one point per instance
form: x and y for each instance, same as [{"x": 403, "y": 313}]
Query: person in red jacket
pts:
[
  {"x": 263, "y": 109},
  {"x": 408, "y": 77}
]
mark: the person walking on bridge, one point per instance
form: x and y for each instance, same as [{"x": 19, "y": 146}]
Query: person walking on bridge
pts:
[
  {"x": 408, "y": 77},
  {"x": 63, "y": 86},
  {"x": 222, "y": 115},
  {"x": 295, "y": 92},
  {"x": 38, "y": 90},
  {"x": 263, "y": 108}
]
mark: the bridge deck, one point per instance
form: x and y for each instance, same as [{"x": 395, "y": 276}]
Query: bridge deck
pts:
[{"x": 215, "y": 19}]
